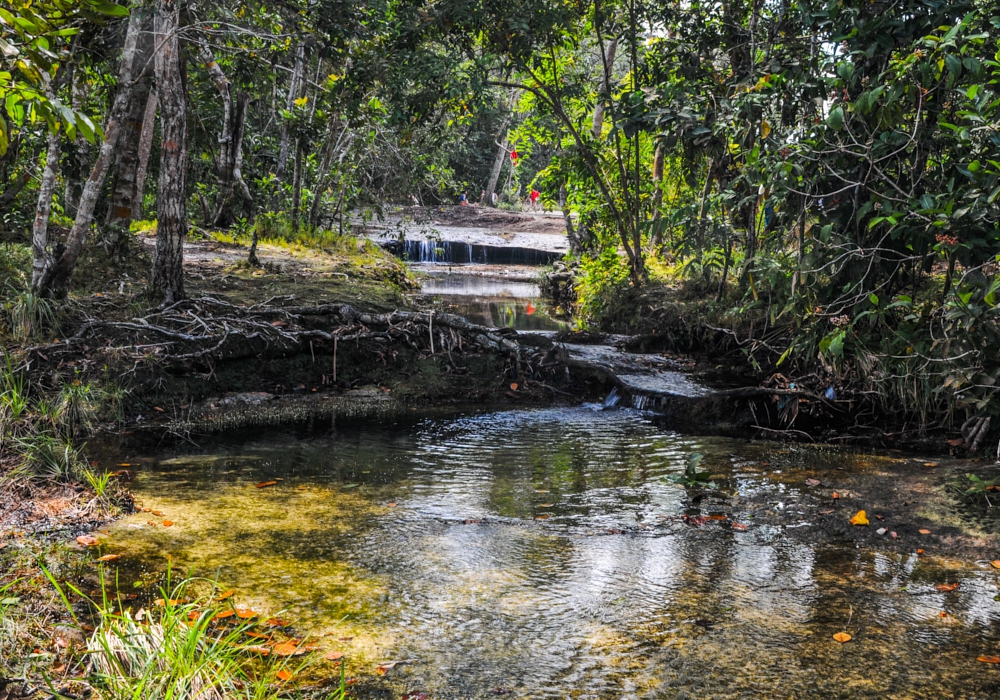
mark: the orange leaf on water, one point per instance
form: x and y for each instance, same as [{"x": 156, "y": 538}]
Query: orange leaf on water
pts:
[
  {"x": 860, "y": 518},
  {"x": 924, "y": 532},
  {"x": 245, "y": 613},
  {"x": 392, "y": 504},
  {"x": 715, "y": 517},
  {"x": 224, "y": 614},
  {"x": 842, "y": 637},
  {"x": 158, "y": 513},
  {"x": 194, "y": 615},
  {"x": 920, "y": 551},
  {"x": 109, "y": 557},
  {"x": 989, "y": 659},
  {"x": 836, "y": 495},
  {"x": 285, "y": 648},
  {"x": 284, "y": 675},
  {"x": 265, "y": 484},
  {"x": 168, "y": 523},
  {"x": 226, "y": 594},
  {"x": 334, "y": 656},
  {"x": 545, "y": 516},
  {"x": 257, "y": 635},
  {"x": 275, "y": 622},
  {"x": 739, "y": 526},
  {"x": 995, "y": 563},
  {"x": 257, "y": 649},
  {"x": 946, "y": 587},
  {"x": 87, "y": 540}
]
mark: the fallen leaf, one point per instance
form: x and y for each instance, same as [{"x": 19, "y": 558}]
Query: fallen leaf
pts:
[
  {"x": 151, "y": 522},
  {"x": 415, "y": 696},
  {"x": 920, "y": 551},
  {"x": 285, "y": 649},
  {"x": 125, "y": 464},
  {"x": 813, "y": 482},
  {"x": 859, "y": 519},
  {"x": 924, "y": 532},
  {"x": 265, "y": 484},
  {"x": 542, "y": 517},
  {"x": 344, "y": 639},
  {"x": 226, "y": 594},
  {"x": 836, "y": 495},
  {"x": 943, "y": 614},
  {"x": 157, "y": 409},
  {"x": 956, "y": 442},
  {"x": 224, "y": 614},
  {"x": 995, "y": 563},
  {"x": 284, "y": 675},
  {"x": 715, "y": 517},
  {"x": 392, "y": 504},
  {"x": 545, "y": 505},
  {"x": 170, "y": 601},
  {"x": 194, "y": 615},
  {"x": 87, "y": 540},
  {"x": 334, "y": 656},
  {"x": 879, "y": 517},
  {"x": 257, "y": 635},
  {"x": 513, "y": 386},
  {"x": 245, "y": 613},
  {"x": 158, "y": 513},
  {"x": 168, "y": 523},
  {"x": 257, "y": 649},
  {"x": 739, "y": 526},
  {"x": 893, "y": 534},
  {"x": 880, "y": 531},
  {"x": 946, "y": 587},
  {"x": 842, "y": 637},
  {"x": 109, "y": 557},
  {"x": 275, "y": 622},
  {"x": 930, "y": 464},
  {"x": 988, "y": 659}
]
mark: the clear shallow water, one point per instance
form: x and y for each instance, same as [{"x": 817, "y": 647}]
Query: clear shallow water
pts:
[
  {"x": 492, "y": 301},
  {"x": 610, "y": 596}
]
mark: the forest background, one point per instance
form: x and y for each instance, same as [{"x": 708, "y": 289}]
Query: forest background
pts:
[{"x": 815, "y": 182}]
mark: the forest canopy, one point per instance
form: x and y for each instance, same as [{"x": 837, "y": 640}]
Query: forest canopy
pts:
[{"x": 824, "y": 176}]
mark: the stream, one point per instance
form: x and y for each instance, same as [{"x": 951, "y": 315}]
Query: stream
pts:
[{"x": 543, "y": 553}]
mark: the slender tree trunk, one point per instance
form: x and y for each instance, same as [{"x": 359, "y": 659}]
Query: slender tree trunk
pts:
[
  {"x": 145, "y": 148},
  {"x": 122, "y": 210},
  {"x": 597, "y": 127},
  {"x": 334, "y": 146},
  {"x": 55, "y": 279},
  {"x": 657, "y": 238},
  {"x": 167, "y": 280},
  {"x": 297, "y": 185},
  {"x": 77, "y": 153},
  {"x": 502, "y": 154},
  {"x": 575, "y": 246},
  {"x": 40, "y": 230},
  {"x": 293, "y": 94},
  {"x": 230, "y": 158}
]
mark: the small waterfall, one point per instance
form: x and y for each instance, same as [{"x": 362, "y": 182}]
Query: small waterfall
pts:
[
  {"x": 612, "y": 399},
  {"x": 644, "y": 402},
  {"x": 459, "y": 252}
]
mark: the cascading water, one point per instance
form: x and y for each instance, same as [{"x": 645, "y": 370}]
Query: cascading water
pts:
[
  {"x": 459, "y": 252},
  {"x": 612, "y": 399}
]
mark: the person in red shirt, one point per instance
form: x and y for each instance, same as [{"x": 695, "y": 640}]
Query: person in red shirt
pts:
[{"x": 535, "y": 194}]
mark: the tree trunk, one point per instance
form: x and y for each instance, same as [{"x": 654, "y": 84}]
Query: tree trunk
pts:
[
  {"x": 167, "y": 279},
  {"x": 145, "y": 147},
  {"x": 575, "y": 246},
  {"x": 77, "y": 153},
  {"x": 55, "y": 279},
  {"x": 323, "y": 176},
  {"x": 40, "y": 230},
  {"x": 657, "y": 238},
  {"x": 502, "y": 156},
  {"x": 297, "y": 185},
  {"x": 14, "y": 188},
  {"x": 293, "y": 94},
  {"x": 230, "y": 158},
  {"x": 123, "y": 186},
  {"x": 608, "y": 61}
]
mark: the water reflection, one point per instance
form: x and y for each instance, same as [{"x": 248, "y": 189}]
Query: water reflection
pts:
[
  {"x": 493, "y": 301},
  {"x": 609, "y": 596}
]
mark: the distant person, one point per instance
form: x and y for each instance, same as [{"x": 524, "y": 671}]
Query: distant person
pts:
[
  {"x": 494, "y": 198},
  {"x": 535, "y": 194},
  {"x": 463, "y": 200},
  {"x": 482, "y": 197}
]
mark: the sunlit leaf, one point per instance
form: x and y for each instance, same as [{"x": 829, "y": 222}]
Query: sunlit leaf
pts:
[
  {"x": 842, "y": 637},
  {"x": 861, "y": 518}
]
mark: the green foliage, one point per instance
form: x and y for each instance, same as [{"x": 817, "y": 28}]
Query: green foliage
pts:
[
  {"x": 15, "y": 266},
  {"x": 691, "y": 476},
  {"x": 77, "y": 408},
  {"x": 30, "y": 315}
]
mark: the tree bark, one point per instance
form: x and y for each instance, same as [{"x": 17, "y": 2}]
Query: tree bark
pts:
[
  {"x": 40, "y": 230},
  {"x": 230, "y": 158},
  {"x": 77, "y": 153},
  {"x": 145, "y": 148},
  {"x": 334, "y": 146},
  {"x": 167, "y": 279},
  {"x": 14, "y": 188},
  {"x": 657, "y": 239},
  {"x": 297, "y": 185},
  {"x": 123, "y": 187},
  {"x": 574, "y": 243},
  {"x": 293, "y": 94},
  {"x": 57, "y": 275},
  {"x": 608, "y": 61}
]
